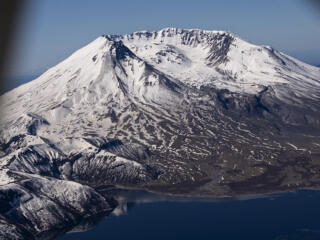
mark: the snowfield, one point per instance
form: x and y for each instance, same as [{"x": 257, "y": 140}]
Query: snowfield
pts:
[{"x": 177, "y": 111}]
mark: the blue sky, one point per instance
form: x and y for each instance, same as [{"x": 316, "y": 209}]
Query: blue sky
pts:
[{"x": 49, "y": 31}]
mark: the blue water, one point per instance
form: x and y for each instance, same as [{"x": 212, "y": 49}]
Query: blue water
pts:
[{"x": 286, "y": 216}]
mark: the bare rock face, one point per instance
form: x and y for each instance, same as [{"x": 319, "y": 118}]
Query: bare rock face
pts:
[{"x": 192, "y": 112}]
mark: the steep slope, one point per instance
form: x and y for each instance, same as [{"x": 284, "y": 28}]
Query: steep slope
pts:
[
  {"x": 177, "y": 111},
  {"x": 218, "y": 58}
]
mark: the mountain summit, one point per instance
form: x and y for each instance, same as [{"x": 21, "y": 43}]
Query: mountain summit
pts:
[{"x": 191, "y": 112}]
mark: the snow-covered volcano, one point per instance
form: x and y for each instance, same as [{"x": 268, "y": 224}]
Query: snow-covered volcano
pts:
[
  {"x": 177, "y": 111},
  {"x": 153, "y": 67}
]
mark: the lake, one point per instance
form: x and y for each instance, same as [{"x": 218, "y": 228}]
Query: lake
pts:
[{"x": 294, "y": 215}]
